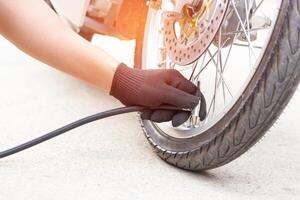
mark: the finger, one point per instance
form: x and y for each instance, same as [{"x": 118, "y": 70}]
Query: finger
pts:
[
  {"x": 203, "y": 109},
  {"x": 177, "y": 80},
  {"x": 162, "y": 115},
  {"x": 179, "y": 118},
  {"x": 146, "y": 115},
  {"x": 179, "y": 98},
  {"x": 187, "y": 86}
]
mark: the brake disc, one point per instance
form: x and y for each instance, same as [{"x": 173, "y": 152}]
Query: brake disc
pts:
[{"x": 188, "y": 33}]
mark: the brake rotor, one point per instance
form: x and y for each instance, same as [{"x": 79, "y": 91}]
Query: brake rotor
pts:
[{"x": 188, "y": 33}]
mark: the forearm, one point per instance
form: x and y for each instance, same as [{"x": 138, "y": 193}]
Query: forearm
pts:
[{"x": 36, "y": 30}]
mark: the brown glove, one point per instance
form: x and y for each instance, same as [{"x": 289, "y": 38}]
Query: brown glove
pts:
[{"x": 153, "y": 88}]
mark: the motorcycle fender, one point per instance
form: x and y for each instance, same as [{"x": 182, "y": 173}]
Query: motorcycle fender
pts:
[{"x": 130, "y": 17}]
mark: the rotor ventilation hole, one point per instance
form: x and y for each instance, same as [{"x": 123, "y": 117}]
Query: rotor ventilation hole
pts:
[{"x": 184, "y": 47}]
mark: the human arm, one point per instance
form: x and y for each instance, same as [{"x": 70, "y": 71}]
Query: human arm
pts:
[{"x": 34, "y": 28}]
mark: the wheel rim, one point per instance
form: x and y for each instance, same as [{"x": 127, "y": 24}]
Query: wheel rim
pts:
[{"x": 221, "y": 67}]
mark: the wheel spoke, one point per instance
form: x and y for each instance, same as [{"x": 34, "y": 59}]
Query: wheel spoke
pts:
[
  {"x": 243, "y": 27},
  {"x": 172, "y": 65},
  {"x": 220, "y": 63},
  {"x": 212, "y": 56},
  {"x": 249, "y": 31},
  {"x": 246, "y": 45},
  {"x": 258, "y": 6},
  {"x": 202, "y": 64},
  {"x": 229, "y": 51},
  {"x": 204, "y": 67},
  {"x": 248, "y": 3},
  {"x": 195, "y": 65},
  {"x": 221, "y": 76}
]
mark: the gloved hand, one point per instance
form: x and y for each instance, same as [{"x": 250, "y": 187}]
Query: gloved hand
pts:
[{"x": 152, "y": 88}]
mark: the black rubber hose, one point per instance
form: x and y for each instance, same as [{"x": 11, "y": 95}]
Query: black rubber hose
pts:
[
  {"x": 77, "y": 124},
  {"x": 69, "y": 127}
]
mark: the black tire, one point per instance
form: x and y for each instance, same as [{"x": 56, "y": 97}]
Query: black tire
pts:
[{"x": 267, "y": 94}]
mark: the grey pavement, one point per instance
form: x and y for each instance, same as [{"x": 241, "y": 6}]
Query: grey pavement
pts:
[{"x": 111, "y": 159}]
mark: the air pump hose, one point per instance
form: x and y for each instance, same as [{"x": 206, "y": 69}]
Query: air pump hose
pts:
[{"x": 76, "y": 124}]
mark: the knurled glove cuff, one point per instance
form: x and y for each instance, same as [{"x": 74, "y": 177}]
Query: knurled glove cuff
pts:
[{"x": 126, "y": 84}]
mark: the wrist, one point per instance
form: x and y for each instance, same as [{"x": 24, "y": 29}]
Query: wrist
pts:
[
  {"x": 112, "y": 73},
  {"x": 126, "y": 84}
]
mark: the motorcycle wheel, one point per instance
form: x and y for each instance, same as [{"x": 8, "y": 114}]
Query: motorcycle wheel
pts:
[{"x": 258, "y": 98}]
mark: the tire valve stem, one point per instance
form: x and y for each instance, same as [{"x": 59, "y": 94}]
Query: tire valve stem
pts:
[{"x": 195, "y": 118}]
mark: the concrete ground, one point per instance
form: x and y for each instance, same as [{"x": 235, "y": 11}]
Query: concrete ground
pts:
[{"x": 111, "y": 159}]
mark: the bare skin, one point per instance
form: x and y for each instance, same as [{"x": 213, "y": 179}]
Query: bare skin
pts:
[{"x": 35, "y": 29}]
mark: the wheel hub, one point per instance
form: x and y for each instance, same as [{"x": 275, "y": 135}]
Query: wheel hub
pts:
[
  {"x": 231, "y": 22},
  {"x": 188, "y": 33}
]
